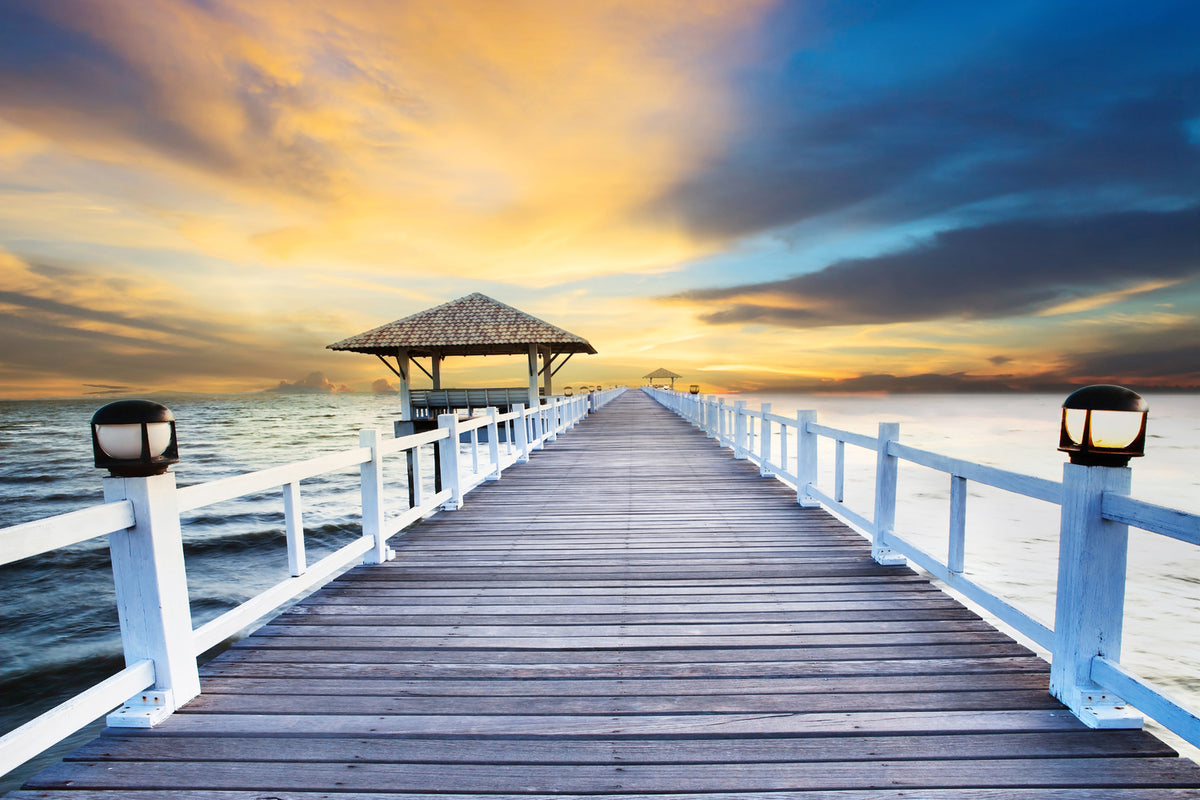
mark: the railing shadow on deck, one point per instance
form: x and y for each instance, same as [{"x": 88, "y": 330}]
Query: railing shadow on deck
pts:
[
  {"x": 1096, "y": 510},
  {"x": 141, "y": 517}
]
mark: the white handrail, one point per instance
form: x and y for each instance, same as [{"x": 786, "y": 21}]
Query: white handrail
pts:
[
  {"x": 1149, "y": 517},
  {"x": 43, "y": 535},
  {"x": 1103, "y": 588},
  {"x": 206, "y": 494},
  {"x": 23, "y": 743}
]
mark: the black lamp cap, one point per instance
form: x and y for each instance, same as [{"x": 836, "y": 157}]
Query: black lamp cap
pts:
[
  {"x": 135, "y": 412},
  {"x": 1106, "y": 397},
  {"x": 131, "y": 412}
]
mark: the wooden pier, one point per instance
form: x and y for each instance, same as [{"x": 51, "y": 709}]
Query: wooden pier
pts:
[{"x": 632, "y": 613}]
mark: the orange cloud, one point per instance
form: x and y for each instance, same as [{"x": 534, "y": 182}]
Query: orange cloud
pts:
[{"x": 467, "y": 138}]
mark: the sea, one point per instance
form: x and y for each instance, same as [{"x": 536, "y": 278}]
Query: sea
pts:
[{"x": 58, "y": 622}]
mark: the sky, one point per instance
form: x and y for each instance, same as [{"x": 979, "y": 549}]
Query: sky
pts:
[{"x": 812, "y": 195}]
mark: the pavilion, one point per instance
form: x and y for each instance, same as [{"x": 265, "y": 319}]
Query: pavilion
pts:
[
  {"x": 661, "y": 374},
  {"x": 475, "y": 325}
]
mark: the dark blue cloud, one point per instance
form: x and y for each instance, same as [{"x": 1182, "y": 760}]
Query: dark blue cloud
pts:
[
  {"x": 901, "y": 111},
  {"x": 44, "y": 61},
  {"x": 1005, "y": 269}
]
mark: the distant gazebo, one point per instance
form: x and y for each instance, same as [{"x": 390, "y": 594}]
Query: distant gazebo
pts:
[
  {"x": 475, "y": 325},
  {"x": 660, "y": 374}
]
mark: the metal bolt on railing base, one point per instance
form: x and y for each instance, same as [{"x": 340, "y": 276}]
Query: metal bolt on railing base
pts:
[{"x": 144, "y": 710}]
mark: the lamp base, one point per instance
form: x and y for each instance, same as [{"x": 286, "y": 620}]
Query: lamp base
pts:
[{"x": 1093, "y": 459}]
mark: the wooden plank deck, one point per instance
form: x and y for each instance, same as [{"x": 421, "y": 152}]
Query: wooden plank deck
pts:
[{"x": 633, "y": 613}]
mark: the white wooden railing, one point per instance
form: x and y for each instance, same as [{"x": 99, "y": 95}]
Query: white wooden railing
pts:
[
  {"x": 1085, "y": 642},
  {"x": 141, "y": 519}
]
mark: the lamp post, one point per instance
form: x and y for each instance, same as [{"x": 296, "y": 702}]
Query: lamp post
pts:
[
  {"x": 135, "y": 441},
  {"x": 1102, "y": 428}
]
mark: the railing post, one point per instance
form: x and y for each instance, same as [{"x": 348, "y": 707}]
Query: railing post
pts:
[
  {"x": 552, "y": 420},
  {"x": 371, "y": 473},
  {"x": 721, "y": 422},
  {"x": 532, "y": 422},
  {"x": 887, "y": 473},
  {"x": 839, "y": 471},
  {"x": 473, "y": 437},
  {"x": 806, "y": 459},
  {"x": 783, "y": 447},
  {"x": 764, "y": 452},
  {"x": 739, "y": 429},
  {"x": 1090, "y": 599},
  {"x": 956, "y": 550},
  {"x": 152, "y": 598},
  {"x": 448, "y": 448},
  {"x": 293, "y": 523},
  {"x": 400, "y": 429},
  {"x": 521, "y": 431},
  {"x": 493, "y": 443},
  {"x": 538, "y": 422}
]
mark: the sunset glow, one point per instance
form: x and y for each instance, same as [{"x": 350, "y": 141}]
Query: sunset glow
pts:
[{"x": 199, "y": 196}]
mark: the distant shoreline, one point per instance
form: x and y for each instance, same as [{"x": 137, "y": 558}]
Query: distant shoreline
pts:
[{"x": 1064, "y": 389}]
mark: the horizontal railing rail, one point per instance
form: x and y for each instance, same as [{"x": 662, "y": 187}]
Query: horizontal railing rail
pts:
[
  {"x": 142, "y": 519},
  {"x": 45, "y": 535},
  {"x": 1096, "y": 510}
]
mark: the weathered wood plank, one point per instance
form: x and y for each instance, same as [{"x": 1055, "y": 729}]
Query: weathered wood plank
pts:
[
  {"x": 1007, "y": 793},
  {"x": 583, "y": 705},
  {"x": 626, "y": 751},
  {"x": 621, "y": 778},
  {"x": 848, "y": 723},
  {"x": 338, "y": 684},
  {"x": 661, "y": 630},
  {"x": 280, "y": 639},
  {"x": 487, "y": 665}
]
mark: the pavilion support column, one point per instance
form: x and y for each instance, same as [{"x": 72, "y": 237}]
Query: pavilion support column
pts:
[
  {"x": 436, "y": 368},
  {"x": 402, "y": 365},
  {"x": 534, "y": 399},
  {"x": 547, "y": 370}
]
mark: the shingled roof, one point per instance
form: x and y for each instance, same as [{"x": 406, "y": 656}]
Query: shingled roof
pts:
[
  {"x": 475, "y": 325},
  {"x": 662, "y": 373}
]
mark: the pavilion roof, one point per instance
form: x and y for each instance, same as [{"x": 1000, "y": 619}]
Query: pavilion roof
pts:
[
  {"x": 662, "y": 373},
  {"x": 474, "y": 325}
]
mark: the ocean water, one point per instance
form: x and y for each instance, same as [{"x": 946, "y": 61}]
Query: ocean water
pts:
[{"x": 58, "y": 625}]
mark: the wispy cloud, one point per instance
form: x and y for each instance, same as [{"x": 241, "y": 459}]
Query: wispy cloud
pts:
[{"x": 1000, "y": 270}]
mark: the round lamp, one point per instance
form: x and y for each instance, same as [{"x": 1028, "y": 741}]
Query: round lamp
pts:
[
  {"x": 1103, "y": 426},
  {"x": 134, "y": 438}
]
